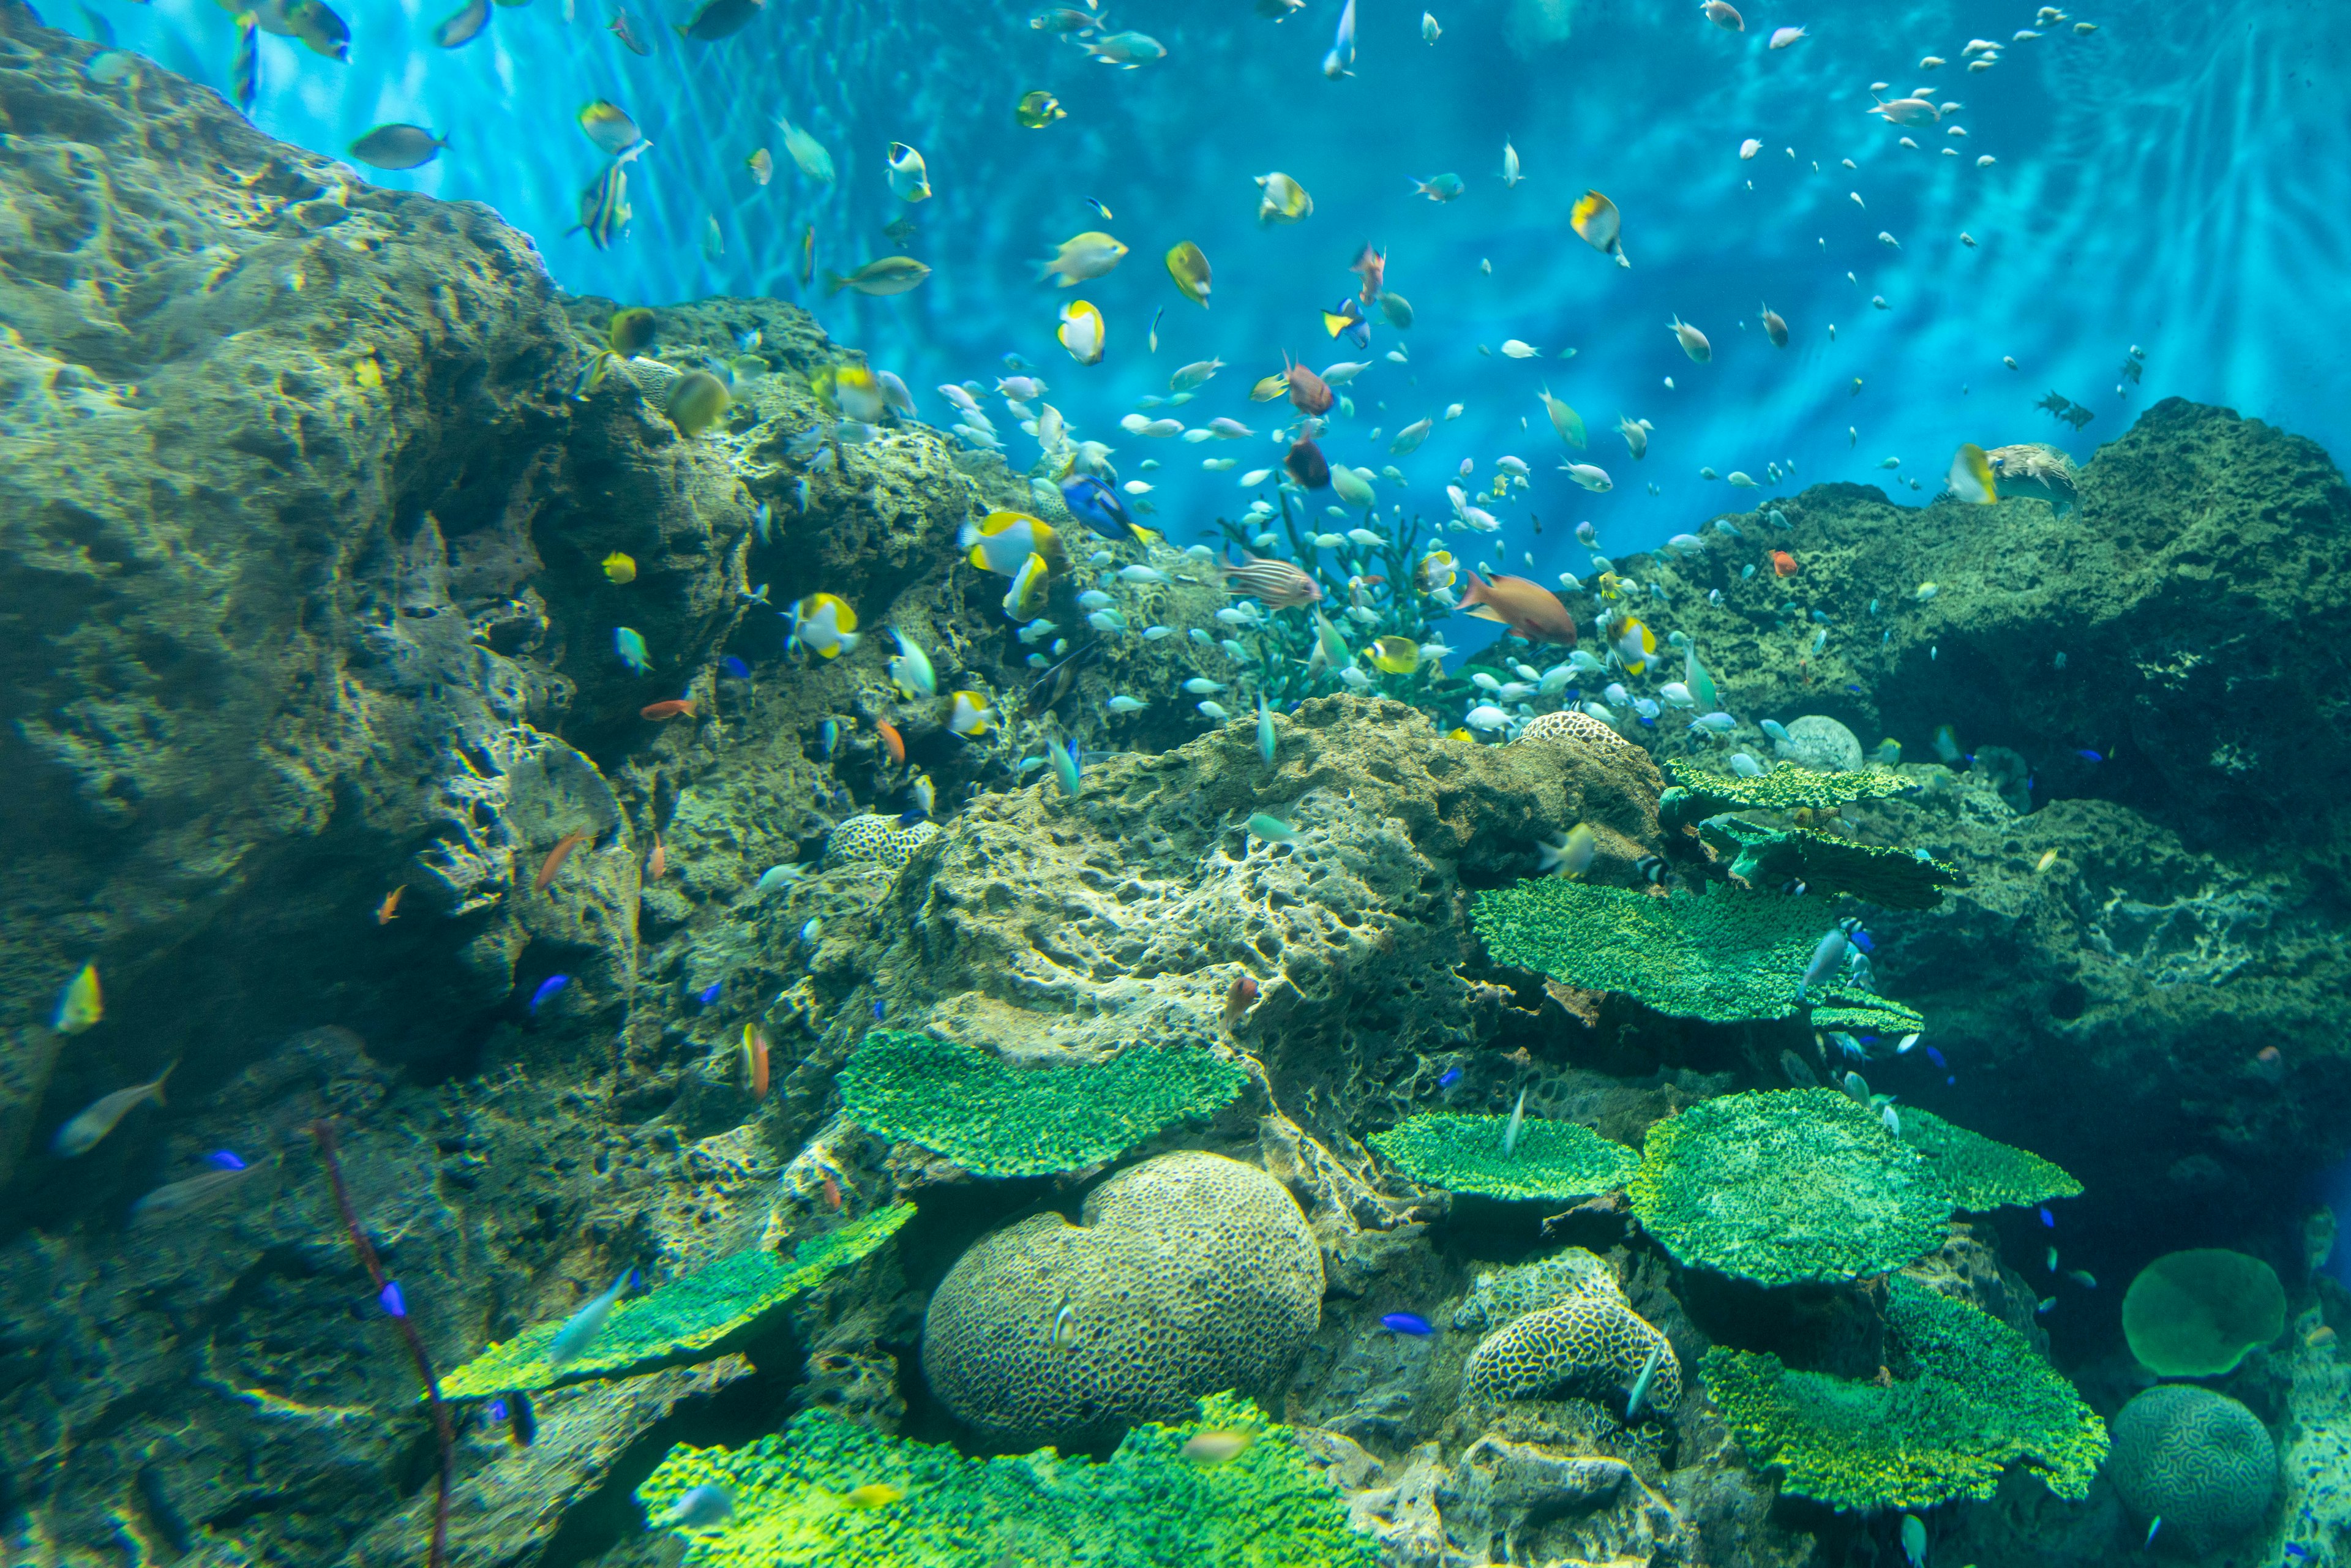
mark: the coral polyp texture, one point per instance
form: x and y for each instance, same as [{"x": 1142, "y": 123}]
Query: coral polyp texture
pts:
[
  {"x": 1724, "y": 956},
  {"x": 2198, "y": 1314},
  {"x": 1786, "y": 1186},
  {"x": 869, "y": 840},
  {"x": 1983, "y": 1173},
  {"x": 2195, "y": 1459},
  {"x": 1787, "y": 786},
  {"x": 997, "y": 1118},
  {"x": 1586, "y": 1344},
  {"x": 1500, "y": 1296},
  {"x": 1573, "y": 727},
  {"x": 797, "y": 1502},
  {"x": 1187, "y": 1274},
  {"x": 1974, "y": 1402},
  {"x": 1891, "y": 878},
  {"x": 1551, "y": 1161},
  {"x": 692, "y": 1318}
]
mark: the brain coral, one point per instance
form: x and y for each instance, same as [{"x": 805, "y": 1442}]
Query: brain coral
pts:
[
  {"x": 2197, "y": 1313},
  {"x": 2197, "y": 1460},
  {"x": 1553, "y": 1162},
  {"x": 877, "y": 841},
  {"x": 1501, "y": 1295},
  {"x": 1188, "y": 1274},
  {"x": 1588, "y": 1343},
  {"x": 1572, "y": 726},
  {"x": 1788, "y": 1184}
]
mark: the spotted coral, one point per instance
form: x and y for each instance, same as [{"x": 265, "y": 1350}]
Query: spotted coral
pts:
[
  {"x": 692, "y": 1318},
  {"x": 997, "y": 1119},
  {"x": 1725, "y": 956},
  {"x": 1973, "y": 1400},
  {"x": 1148, "y": 1506},
  {"x": 1187, "y": 1274},
  {"x": 869, "y": 840},
  {"x": 1588, "y": 1343},
  {"x": 2196, "y": 1460},
  {"x": 1981, "y": 1173},
  {"x": 1789, "y": 1185},
  {"x": 1890, "y": 878},
  {"x": 1569, "y": 725},
  {"x": 1787, "y": 786},
  {"x": 1554, "y": 1162},
  {"x": 1498, "y": 1296}
]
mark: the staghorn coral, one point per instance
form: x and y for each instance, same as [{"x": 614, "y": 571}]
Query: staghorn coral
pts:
[
  {"x": 1498, "y": 1295},
  {"x": 1148, "y": 1506},
  {"x": 1554, "y": 1161},
  {"x": 1982, "y": 1173},
  {"x": 1891, "y": 878},
  {"x": 1187, "y": 1274},
  {"x": 1972, "y": 1401},
  {"x": 2199, "y": 1313},
  {"x": 1572, "y": 725},
  {"x": 1588, "y": 1343},
  {"x": 870, "y": 840},
  {"x": 1725, "y": 956},
  {"x": 1788, "y": 1184},
  {"x": 2196, "y": 1460},
  {"x": 997, "y": 1119},
  {"x": 692, "y": 1318},
  {"x": 1696, "y": 796}
]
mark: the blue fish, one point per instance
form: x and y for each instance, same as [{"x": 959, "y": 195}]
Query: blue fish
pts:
[
  {"x": 1347, "y": 321},
  {"x": 547, "y": 988},
  {"x": 877, "y": 1012},
  {"x": 1097, "y": 505},
  {"x": 736, "y": 667},
  {"x": 1851, "y": 688},
  {"x": 2089, "y": 756},
  {"x": 1412, "y": 1323},
  {"x": 912, "y": 814},
  {"x": 1451, "y": 1076},
  {"x": 2048, "y": 1218},
  {"x": 1861, "y": 940},
  {"x": 495, "y": 1411},
  {"x": 1937, "y": 1058},
  {"x": 1015, "y": 363},
  {"x": 393, "y": 1302},
  {"x": 709, "y": 993},
  {"x": 828, "y": 736},
  {"x": 225, "y": 1159}
]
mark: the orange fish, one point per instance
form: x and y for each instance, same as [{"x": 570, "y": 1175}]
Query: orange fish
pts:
[
  {"x": 1374, "y": 268},
  {"x": 1309, "y": 391},
  {"x": 1239, "y": 997},
  {"x": 1530, "y": 609},
  {"x": 891, "y": 738},
  {"x": 675, "y": 708},
  {"x": 657, "y": 862},
  {"x": 755, "y": 1059},
  {"x": 388, "y": 910},
  {"x": 1783, "y": 564},
  {"x": 555, "y": 857},
  {"x": 831, "y": 1193}
]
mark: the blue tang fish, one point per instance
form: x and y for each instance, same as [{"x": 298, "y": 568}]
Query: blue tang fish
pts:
[{"x": 1097, "y": 505}]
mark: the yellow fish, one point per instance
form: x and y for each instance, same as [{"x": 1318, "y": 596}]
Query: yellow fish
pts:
[
  {"x": 875, "y": 1494},
  {"x": 1081, "y": 256},
  {"x": 852, "y": 392},
  {"x": 1002, "y": 542},
  {"x": 1189, "y": 267},
  {"x": 608, "y": 125},
  {"x": 1393, "y": 656},
  {"x": 80, "y": 1007},
  {"x": 1284, "y": 200},
  {"x": 1459, "y": 734},
  {"x": 1595, "y": 217},
  {"x": 1081, "y": 332},
  {"x": 1634, "y": 644},
  {"x": 696, "y": 402},
  {"x": 628, "y": 330},
  {"x": 2048, "y": 858},
  {"x": 1971, "y": 476},
  {"x": 1436, "y": 570},
  {"x": 825, "y": 625},
  {"x": 968, "y": 713},
  {"x": 1270, "y": 388},
  {"x": 620, "y": 568},
  {"x": 762, "y": 165},
  {"x": 1026, "y": 597},
  {"x": 1038, "y": 109}
]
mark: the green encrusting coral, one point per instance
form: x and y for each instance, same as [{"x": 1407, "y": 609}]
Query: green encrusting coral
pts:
[
  {"x": 1785, "y": 1185},
  {"x": 1973, "y": 1401},
  {"x": 692, "y": 1318},
  {"x": 1554, "y": 1162},
  {"x": 1695, "y": 795},
  {"x": 1724, "y": 956},
  {"x": 996, "y": 1119},
  {"x": 1147, "y": 1506},
  {"x": 1982, "y": 1173},
  {"x": 1890, "y": 878}
]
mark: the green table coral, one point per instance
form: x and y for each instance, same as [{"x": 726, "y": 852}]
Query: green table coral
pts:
[
  {"x": 1981, "y": 1173},
  {"x": 1890, "y": 878},
  {"x": 1785, "y": 1185},
  {"x": 1695, "y": 795},
  {"x": 692, "y": 1318},
  {"x": 1555, "y": 1161},
  {"x": 996, "y": 1119},
  {"x": 1725, "y": 954},
  {"x": 1148, "y": 1506},
  {"x": 2198, "y": 1314},
  {"x": 1980, "y": 1402}
]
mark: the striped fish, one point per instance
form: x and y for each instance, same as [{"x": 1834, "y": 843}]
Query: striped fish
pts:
[
  {"x": 604, "y": 205},
  {"x": 1276, "y": 583}
]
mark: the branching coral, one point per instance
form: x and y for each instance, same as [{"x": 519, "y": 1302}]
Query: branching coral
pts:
[
  {"x": 690, "y": 1319},
  {"x": 994, "y": 1119},
  {"x": 1783, "y": 1186},
  {"x": 1554, "y": 1162},
  {"x": 1982, "y": 1173},
  {"x": 1151, "y": 1505},
  {"x": 1890, "y": 878},
  {"x": 1787, "y": 788},
  {"x": 1970, "y": 1401}
]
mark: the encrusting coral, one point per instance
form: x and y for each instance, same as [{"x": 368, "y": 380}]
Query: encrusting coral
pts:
[
  {"x": 1554, "y": 1162},
  {"x": 997, "y": 1119},
  {"x": 1972, "y": 1401},
  {"x": 1499, "y": 1295}
]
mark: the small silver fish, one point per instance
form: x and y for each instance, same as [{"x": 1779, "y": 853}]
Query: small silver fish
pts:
[
  {"x": 192, "y": 1195},
  {"x": 1517, "y": 1124},
  {"x": 85, "y": 1131},
  {"x": 579, "y": 1331}
]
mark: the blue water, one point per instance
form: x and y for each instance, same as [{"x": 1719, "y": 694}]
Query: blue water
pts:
[{"x": 2172, "y": 181}]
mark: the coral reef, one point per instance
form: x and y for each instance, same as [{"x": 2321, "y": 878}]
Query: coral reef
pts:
[
  {"x": 1787, "y": 786},
  {"x": 2198, "y": 1314},
  {"x": 1552, "y": 1162},
  {"x": 1499, "y": 1296},
  {"x": 2195, "y": 1459},
  {"x": 1187, "y": 1274},
  {"x": 1890, "y": 878},
  {"x": 1589, "y": 1344},
  {"x": 869, "y": 840},
  {"x": 1981, "y": 1173}
]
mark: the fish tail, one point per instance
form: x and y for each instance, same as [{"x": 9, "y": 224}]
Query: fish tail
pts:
[{"x": 156, "y": 1088}]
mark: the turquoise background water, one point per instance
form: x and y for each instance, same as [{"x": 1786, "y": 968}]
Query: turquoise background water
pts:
[{"x": 2173, "y": 181}]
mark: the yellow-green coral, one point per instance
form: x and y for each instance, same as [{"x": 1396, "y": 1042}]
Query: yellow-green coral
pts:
[
  {"x": 1974, "y": 1401},
  {"x": 1890, "y": 878},
  {"x": 1784, "y": 1186},
  {"x": 692, "y": 1318},
  {"x": 998, "y": 1119},
  {"x": 1554, "y": 1162},
  {"x": 1588, "y": 1343},
  {"x": 1725, "y": 956},
  {"x": 1696, "y": 795},
  {"x": 1148, "y": 1506},
  {"x": 1499, "y": 1296},
  {"x": 1981, "y": 1173}
]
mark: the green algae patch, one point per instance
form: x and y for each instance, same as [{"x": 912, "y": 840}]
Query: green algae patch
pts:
[
  {"x": 1786, "y": 788},
  {"x": 1147, "y": 1506},
  {"x": 997, "y": 1119},
  {"x": 692, "y": 1318},
  {"x": 1981, "y": 1173},
  {"x": 1786, "y": 1186},
  {"x": 1975, "y": 1401},
  {"x": 1724, "y": 956},
  {"x": 1555, "y": 1161},
  {"x": 1889, "y": 878}
]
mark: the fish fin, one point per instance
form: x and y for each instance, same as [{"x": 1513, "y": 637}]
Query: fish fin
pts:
[
  {"x": 848, "y": 643},
  {"x": 156, "y": 1088},
  {"x": 1483, "y": 612}
]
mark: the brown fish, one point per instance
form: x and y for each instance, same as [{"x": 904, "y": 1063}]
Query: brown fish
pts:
[
  {"x": 674, "y": 707},
  {"x": 1530, "y": 609},
  {"x": 1309, "y": 392},
  {"x": 1307, "y": 466},
  {"x": 555, "y": 857}
]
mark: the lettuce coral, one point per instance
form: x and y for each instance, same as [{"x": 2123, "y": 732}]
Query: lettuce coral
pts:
[
  {"x": 1555, "y": 1161},
  {"x": 1784, "y": 1186},
  {"x": 996, "y": 1119},
  {"x": 1148, "y": 1506},
  {"x": 692, "y": 1318},
  {"x": 1971, "y": 1401},
  {"x": 1981, "y": 1173}
]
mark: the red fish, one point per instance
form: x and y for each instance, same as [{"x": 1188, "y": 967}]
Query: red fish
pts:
[
  {"x": 832, "y": 1192},
  {"x": 1783, "y": 564},
  {"x": 1309, "y": 391},
  {"x": 891, "y": 738},
  {"x": 1306, "y": 465},
  {"x": 388, "y": 910},
  {"x": 555, "y": 857},
  {"x": 1239, "y": 997},
  {"x": 1530, "y": 609},
  {"x": 675, "y": 708},
  {"x": 1374, "y": 268}
]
